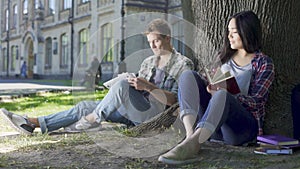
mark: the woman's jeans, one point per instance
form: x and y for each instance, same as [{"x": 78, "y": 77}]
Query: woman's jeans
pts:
[
  {"x": 221, "y": 114},
  {"x": 122, "y": 104},
  {"x": 295, "y": 99}
]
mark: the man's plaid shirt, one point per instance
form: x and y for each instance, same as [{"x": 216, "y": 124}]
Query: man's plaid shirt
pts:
[{"x": 176, "y": 65}]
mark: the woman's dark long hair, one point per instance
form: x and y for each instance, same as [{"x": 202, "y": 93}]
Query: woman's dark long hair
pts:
[{"x": 249, "y": 29}]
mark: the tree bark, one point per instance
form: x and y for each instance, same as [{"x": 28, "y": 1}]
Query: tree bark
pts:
[
  {"x": 159, "y": 122},
  {"x": 281, "y": 37}
]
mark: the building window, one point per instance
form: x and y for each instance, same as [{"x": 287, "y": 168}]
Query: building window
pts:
[
  {"x": 25, "y": 7},
  {"x": 15, "y": 16},
  {"x": 6, "y": 19},
  {"x": 4, "y": 60},
  {"x": 107, "y": 42},
  {"x": 85, "y": 1},
  {"x": 101, "y": 3},
  {"x": 37, "y": 4},
  {"x": 13, "y": 58},
  {"x": 83, "y": 44},
  {"x": 64, "y": 51},
  {"x": 67, "y": 4},
  {"x": 178, "y": 37},
  {"x": 51, "y": 7},
  {"x": 48, "y": 57}
]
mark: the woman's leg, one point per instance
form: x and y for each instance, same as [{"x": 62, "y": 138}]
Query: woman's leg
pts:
[
  {"x": 193, "y": 99},
  {"x": 237, "y": 125},
  {"x": 227, "y": 115}
]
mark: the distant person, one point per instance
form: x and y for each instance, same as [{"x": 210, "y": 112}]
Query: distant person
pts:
[
  {"x": 94, "y": 72},
  {"x": 24, "y": 70},
  {"x": 131, "y": 101},
  {"x": 295, "y": 101}
]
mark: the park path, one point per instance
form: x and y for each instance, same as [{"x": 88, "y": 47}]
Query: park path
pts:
[{"x": 15, "y": 88}]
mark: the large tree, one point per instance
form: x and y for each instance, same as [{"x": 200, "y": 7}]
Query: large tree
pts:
[{"x": 281, "y": 41}]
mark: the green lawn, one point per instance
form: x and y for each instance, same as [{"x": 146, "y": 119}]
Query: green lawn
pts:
[{"x": 47, "y": 103}]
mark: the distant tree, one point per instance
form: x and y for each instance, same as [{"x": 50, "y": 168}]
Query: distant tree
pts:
[{"x": 281, "y": 41}]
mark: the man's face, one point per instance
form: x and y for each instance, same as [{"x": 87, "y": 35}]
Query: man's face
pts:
[{"x": 158, "y": 44}]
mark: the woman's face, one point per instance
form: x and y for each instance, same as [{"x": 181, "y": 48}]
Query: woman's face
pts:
[{"x": 233, "y": 36}]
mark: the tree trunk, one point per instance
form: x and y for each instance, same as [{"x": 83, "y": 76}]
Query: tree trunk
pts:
[{"x": 281, "y": 37}]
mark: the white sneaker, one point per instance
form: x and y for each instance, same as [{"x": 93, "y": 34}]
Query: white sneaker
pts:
[
  {"x": 83, "y": 124},
  {"x": 19, "y": 123},
  {"x": 72, "y": 128}
]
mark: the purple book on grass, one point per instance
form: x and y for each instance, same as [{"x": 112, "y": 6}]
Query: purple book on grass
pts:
[{"x": 277, "y": 139}]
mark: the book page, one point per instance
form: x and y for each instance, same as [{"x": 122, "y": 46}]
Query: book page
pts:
[
  {"x": 220, "y": 76},
  {"x": 207, "y": 75},
  {"x": 121, "y": 76}
]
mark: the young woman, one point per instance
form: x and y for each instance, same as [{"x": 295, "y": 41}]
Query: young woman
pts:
[{"x": 234, "y": 119}]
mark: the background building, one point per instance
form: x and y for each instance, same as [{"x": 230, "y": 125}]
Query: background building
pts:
[{"x": 56, "y": 37}]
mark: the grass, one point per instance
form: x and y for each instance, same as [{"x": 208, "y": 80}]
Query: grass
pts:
[{"x": 47, "y": 103}]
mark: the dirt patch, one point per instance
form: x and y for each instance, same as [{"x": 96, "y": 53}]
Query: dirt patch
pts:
[
  {"x": 109, "y": 149},
  {"x": 89, "y": 153}
]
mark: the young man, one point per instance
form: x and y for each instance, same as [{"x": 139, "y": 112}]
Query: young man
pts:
[{"x": 130, "y": 101}]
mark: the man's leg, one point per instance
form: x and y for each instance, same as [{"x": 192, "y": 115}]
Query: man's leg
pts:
[
  {"x": 295, "y": 100},
  {"x": 65, "y": 118},
  {"x": 51, "y": 122},
  {"x": 116, "y": 117},
  {"x": 129, "y": 102}
]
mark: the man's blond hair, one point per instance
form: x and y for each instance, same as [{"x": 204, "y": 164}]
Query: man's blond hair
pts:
[{"x": 159, "y": 26}]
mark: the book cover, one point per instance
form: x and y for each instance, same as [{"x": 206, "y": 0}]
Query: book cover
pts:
[
  {"x": 223, "y": 80},
  {"x": 261, "y": 150},
  {"x": 277, "y": 140},
  {"x": 267, "y": 145},
  {"x": 293, "y": 146}
]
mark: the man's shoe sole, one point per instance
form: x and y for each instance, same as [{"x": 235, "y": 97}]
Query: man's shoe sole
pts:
[{"x": 13, "y": 125}]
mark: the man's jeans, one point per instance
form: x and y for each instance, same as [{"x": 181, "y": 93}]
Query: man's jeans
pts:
[{"x": 122, "y": 104}]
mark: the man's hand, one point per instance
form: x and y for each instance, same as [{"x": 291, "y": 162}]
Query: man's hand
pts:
[
  {"x": 141, "y": 84},
  {"x": 163, "y": 96}
]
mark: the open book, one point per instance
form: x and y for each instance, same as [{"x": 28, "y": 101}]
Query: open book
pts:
[
  {"x": 222, "y": 80},
  {"x": 121, "y": 76}
]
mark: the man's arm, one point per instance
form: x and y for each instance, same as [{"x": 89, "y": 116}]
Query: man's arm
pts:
[{"x": 163, "y": 96}]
